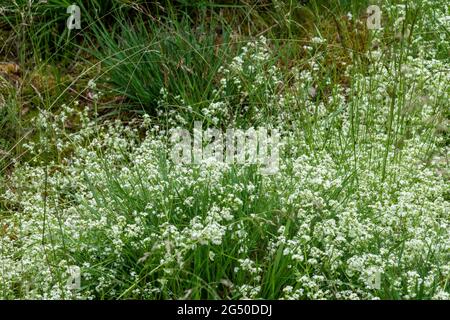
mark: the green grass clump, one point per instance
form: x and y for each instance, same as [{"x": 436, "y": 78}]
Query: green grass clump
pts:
[{"x": 143, "y": 56}]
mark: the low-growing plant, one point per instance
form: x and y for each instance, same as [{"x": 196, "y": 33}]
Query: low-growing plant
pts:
[{"x": 358, "y": 207}]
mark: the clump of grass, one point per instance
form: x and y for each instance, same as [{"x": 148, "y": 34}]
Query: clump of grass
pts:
[
  {"x": 39, "y": 30},
  {"x": 143, "y": 56}
]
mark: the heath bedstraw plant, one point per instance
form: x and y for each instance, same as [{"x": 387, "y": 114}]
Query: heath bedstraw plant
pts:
[
  {"x": 358, "y": 208},
  {"x": 340, "y": 211}
]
